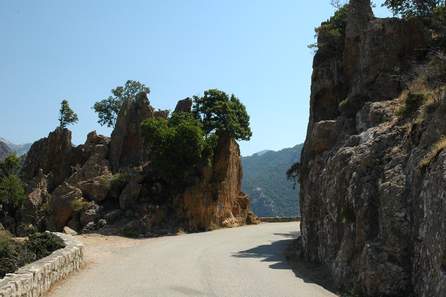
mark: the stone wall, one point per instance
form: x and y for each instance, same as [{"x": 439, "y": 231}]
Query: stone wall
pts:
[{"x": 35, "y": 279}]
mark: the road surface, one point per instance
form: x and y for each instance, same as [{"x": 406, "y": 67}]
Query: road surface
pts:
[{"x": 246, "y": 262}]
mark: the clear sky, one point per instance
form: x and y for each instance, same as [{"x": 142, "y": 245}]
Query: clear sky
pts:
[{"x": 78, "y": 50}]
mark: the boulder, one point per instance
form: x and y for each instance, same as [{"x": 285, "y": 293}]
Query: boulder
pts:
[
  {"x": 63, "y": 204},
  {"x": 89, "y": 214}
]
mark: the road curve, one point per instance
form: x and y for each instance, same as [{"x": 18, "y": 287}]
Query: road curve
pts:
[{"x": 246, "y": 262}]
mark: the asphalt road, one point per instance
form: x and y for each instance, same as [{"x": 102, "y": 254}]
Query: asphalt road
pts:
[{"x": 245, "y": 262}]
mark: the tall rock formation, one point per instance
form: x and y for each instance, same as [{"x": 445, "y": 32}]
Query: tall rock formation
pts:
[
  {"x": 372, "y": 170},
  {"x": 127, "y": 143},
  {"x": 109, "y": 183}
]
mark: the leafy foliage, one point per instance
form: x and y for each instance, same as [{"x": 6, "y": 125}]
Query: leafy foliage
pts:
[
  {"x": 108, "y": 108},
  {"x": 176, "y": 145},
  {"x": 222, "y": 114},
  {"x": 67, "y": 115},
  {"x": 331, "y": 32},
  {"x": 14, "y": 254},
  {"x": 412, "y": 103},
  {"x": 408, "y": 8},
  {"x": 12, "y": 190}
]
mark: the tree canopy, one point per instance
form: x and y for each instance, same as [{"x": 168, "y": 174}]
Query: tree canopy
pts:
[
  {"x": 177, "y": 145},
  {"x": 222, "y": 114},
  {"x": 12, "y": 191},
  {"x": 66, "y": 115},
  {"x": 407, "y": 8},
  {"x": 108, "y": 108}
]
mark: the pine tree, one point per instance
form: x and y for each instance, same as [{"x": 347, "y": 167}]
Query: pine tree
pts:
[{"x": 67, "y": 115}]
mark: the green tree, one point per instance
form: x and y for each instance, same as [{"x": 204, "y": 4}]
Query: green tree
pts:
[
  {"x": 12, "y": 190},
  {"x": 222, "y": 114},
  {"x": 108, "y": 108},
  {"x": 176, "y": 145},
  {"x": 407, "y": 8},
  {"x": 9, "y": 166},
  {"x": 66, "y": 115}
]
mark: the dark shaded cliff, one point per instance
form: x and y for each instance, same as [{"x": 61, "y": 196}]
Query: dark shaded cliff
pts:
[{"x": 372, "y": 174}]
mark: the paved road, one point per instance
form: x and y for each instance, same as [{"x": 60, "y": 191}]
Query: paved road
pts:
[{"x": 245, "y": 262}]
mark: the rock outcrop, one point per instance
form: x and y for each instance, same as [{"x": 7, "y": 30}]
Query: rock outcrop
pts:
[
  {"x": 218, "y": 199},
  {"x": 127, "y": 143},
  {"x": 108, "y": 184},
  {"x": 373, "y": 166},
  {"x": 5, "y": 150}
]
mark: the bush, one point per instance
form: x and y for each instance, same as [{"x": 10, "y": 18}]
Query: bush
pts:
[
  {"x": 331, "y": 33},
  {"x": 412, "y": 103},
  {"x": 433, "y": 153},
  {"x": 409, "y": 8},
  {"x": 43, "y": 244},
  {"x": 179, "y": 138}
]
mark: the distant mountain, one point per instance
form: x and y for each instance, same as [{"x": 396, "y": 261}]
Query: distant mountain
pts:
[
  {"x": 19, "y": 149},
  {"x": 265, "y": 181},
  {"x": 5, "y": 150}
]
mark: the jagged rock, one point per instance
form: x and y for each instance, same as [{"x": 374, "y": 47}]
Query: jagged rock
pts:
[
  {"x": 37, "y": 197},
  {"x": 371, "y": 211},
  {"x": 52, "y": 155},
  {"x": 218, "y": 200},
  {"x": 90, "y": 227},
  {"x": 89, "y": 214},
  {"x": 184, "y": 105},
  {"x": 62, "y": 204},
  {"x": 129, "y": 196},
  {"x": 5, "y": 150},
  {"x": 113, "y": 215},
  {"x": 127, "y": 143}
]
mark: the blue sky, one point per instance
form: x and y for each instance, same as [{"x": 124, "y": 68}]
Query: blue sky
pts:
[{"x": 79, "y": 50}]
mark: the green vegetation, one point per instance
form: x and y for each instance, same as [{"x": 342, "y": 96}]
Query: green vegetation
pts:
[
  {"x": 266, "y": 183},
  {"x": 14, "y": 254},
  {"x": 180, "y": 138},
  {"x": 12, "y": 191},
  {"x": 412, "y": 104},
  {"x": 191, "y": 138},
  {"x": 222, "y": 114},
  {"x": 67, "y": 115},
  {"x": 330, "y": 34},
  {"x": 433, "y": 153},
  {"x": 108, "y": 108},
  {"x": 408, "y": 8}
]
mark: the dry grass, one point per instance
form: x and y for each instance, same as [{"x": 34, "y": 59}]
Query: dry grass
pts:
[{"x": 433, "y": 153}]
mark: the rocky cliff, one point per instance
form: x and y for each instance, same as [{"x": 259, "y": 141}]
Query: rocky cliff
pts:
[
  {"x": 5, "y": 150},
  {"x": 108, "y": 184},
  {"x": 372, "y": 174}
]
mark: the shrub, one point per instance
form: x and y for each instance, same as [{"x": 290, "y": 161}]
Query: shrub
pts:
[
  {"x": 412, "y": 103},
  {"x": 179, "y": 138},
  {"x": 43, "y": 244},
  {"x": 79, "y": 204},
  {"x": 433, "y": 153},
  {"x": 409, "y": 8}
]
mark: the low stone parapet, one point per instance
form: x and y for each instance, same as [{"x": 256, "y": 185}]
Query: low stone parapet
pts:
[
  {"x": 279, "y": 219},
  {"x": 35, "y": 279}
]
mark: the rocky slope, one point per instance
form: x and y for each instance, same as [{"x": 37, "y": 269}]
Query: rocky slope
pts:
[
  {"x": 372, "y": 174},
  {"x": 265, "y": 181},
  {"x": 108, "y": 185},
  {"x": 5, "y": 150}
]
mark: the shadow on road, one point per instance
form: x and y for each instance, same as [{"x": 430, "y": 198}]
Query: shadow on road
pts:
[{"x": 282, "y": 255}]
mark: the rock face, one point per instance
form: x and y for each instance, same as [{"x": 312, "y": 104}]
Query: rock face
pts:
[
  {"x": 5, "y": 150},
  {"x": 372, "y": 180},
  {"x": 109, "y": 183},
  {"x": 52, "y": 155},
  {"x": 218, "y": 199},
  {"x": 127, "y": 143}
]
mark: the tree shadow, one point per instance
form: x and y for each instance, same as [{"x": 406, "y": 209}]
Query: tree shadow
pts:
[{"x": 282, "y": 254}]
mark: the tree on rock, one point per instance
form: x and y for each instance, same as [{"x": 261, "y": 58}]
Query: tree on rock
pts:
[
  {"x": 407, "y": 8},
  {"x": 108, "y": 108},
  {"x": 222, "y": 114},
  {"x": 67, "y": 115}
]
